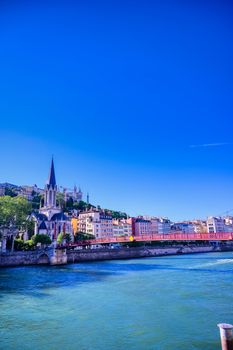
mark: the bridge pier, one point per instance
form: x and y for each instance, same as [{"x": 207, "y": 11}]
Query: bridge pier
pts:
[{"x": 58, "y": 257}]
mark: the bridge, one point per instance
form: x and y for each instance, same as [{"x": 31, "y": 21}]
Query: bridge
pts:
[{"x": 178, "y": 236}]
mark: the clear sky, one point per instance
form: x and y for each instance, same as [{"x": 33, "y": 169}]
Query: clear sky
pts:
[{"x": 133, "y": 98}]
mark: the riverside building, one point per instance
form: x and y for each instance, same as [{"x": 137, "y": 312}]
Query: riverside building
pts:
[
  {"x": 121, "y": 227},
  {"x": 164, "y": 226},
  {"x": 142, "y": 227},
  {"x": 159, "y": 225},
  {"x": 184, "y": 227},
  {"x": 228, "y": 221},
  {"x": 200, "y": 226},
  {"x": 215, "y": 224},
  {"x": 96, "y": 223}
]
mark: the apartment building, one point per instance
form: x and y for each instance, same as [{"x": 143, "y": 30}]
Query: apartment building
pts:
[
  {"x": 200, "y": 226},
  {"x": 96, "y": 223},
  {"x": 141, "y": 227},
  {"x": 215, "y": 224},
  {"x": 183, "y": 227},
  {"x": 121, "y": 227},
  {"x": 164, "y": 226}
]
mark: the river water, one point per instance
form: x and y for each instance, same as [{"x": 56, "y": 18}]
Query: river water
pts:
[{"x": 167, "y": 303}]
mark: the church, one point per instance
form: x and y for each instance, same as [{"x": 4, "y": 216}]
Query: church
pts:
[{"x": 51, "y": 220}]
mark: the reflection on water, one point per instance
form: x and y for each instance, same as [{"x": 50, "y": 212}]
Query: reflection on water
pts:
[{"x": 165, "y": 303}]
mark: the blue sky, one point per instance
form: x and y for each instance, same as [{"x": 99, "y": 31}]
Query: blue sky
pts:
[{"x": 133, "y": 99}]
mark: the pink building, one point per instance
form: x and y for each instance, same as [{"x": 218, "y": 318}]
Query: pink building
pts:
[{"x": 141, "y": 226}]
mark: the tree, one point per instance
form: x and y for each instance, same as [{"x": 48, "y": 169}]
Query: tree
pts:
[
  {"x": 30, "y": 224},
  {"x": 29, "y": 245},
  {"x": 10, "y": 192},
  {"x": 81, "y": 205},
  {"x": 60, "y": 198},
  {"x": 60, "y": 237},
  {"x": 14, "y": 211},
  {"x": 116, "y": 214},
  {"x": 24, "y": 245},
  {"x": 70, "y": 203},
  {"x": 13, "y": 216},
  {"x": 83, "y": 236},
  {"x": 19, "y": 244},
  {"x": 67, "y": 237},
  {"x": 36, "y": 200},
  {"x": 42, "y": 238}
]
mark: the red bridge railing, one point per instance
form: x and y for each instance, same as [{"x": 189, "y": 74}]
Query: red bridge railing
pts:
[{"x": 221, "y": 236}]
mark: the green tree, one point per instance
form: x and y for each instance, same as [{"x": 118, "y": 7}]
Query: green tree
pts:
[
  {"x": 67, "y": 237},
  {"x": 116, "y": 214},
  {"x": 36, "y": 200},
  {"x": 14, "y": 211},
  {"x": 42, "y": 238},
  {"x": 29, "y": 245},
  {"x": 81, "y": 205},
  {"x": 60, "y": 198},
  {"x": 10, "y": 192},
  {"x": 83, "y": 236},
  {"x": 24, "y": 245},
  {"x": 19, "y": 244},
  {"x": 30, "y": 225},
  {"x": 70, "y": 203},
  {"x": 60, "y": 237}
]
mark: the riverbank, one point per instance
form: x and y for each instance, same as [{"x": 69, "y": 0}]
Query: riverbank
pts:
[{"x": 43, "y": 257}]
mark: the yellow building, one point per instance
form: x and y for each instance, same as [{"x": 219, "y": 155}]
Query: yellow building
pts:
[{"x": 75, "y": 225}]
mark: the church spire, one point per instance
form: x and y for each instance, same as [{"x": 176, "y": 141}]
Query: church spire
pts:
[
  {"x": 52, "y": 179},
  {"x": 50, "y": 195}
]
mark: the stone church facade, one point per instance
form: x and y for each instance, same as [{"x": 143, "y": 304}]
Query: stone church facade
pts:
[{"x": 50, "y": 219}]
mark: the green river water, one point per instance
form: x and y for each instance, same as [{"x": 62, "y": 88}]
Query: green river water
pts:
[{"x": 167, "y": 303}]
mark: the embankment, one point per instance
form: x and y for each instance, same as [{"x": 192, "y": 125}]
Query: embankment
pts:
[
  {"x": 42, "y": 257},
  {"x": 38, "y": 257},
  {"x": 139, "y": 252}
]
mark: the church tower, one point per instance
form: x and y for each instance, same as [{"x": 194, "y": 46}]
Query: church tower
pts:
[
  {"x": 75, "y": 193},
  {"x": 79, "y": 195},
  {"x": 51, "y": 189},
  {"x": 50, "y": 206}
]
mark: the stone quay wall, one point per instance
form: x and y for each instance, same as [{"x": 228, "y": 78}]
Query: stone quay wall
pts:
[
  {"x": 129, "y": 253},
  {"x": 38, "y": 257},
  {"x": 43, "y": 256}
]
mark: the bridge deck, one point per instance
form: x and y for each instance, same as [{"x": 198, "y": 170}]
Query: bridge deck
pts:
[{"x": 221, "y": 236}]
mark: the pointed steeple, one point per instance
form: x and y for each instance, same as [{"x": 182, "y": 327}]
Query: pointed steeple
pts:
[
  {"x": 52, "y": 179},
  {"x": 50, "y": 195}
]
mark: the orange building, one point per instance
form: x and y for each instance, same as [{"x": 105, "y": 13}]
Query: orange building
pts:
[{"x": 75, "y": 225}]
